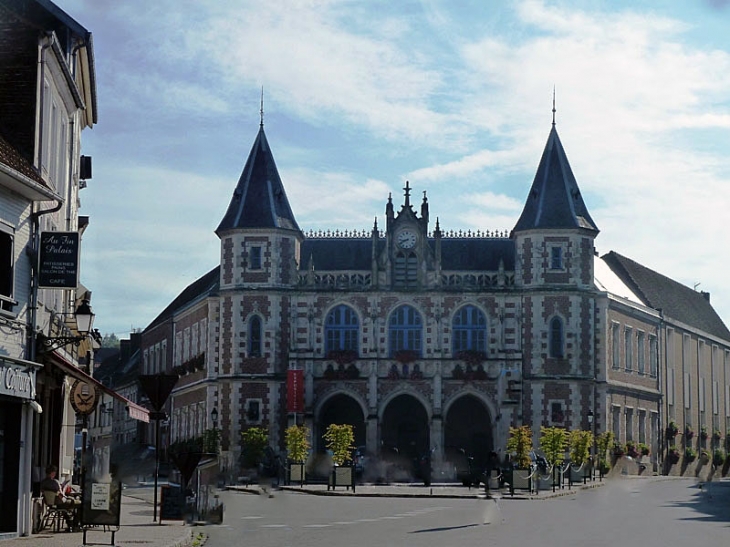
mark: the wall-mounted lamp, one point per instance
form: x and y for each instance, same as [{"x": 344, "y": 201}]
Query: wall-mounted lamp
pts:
[
  {"x": 84, "y": 326},
  {"x": 590, "y": 416},
  {"x": 214, "y": 417}
]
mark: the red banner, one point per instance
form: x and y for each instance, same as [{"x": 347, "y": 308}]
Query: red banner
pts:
[{"x": 295, "y": 391}]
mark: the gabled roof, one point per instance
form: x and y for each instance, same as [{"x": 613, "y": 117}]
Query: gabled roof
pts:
[
  {"x": 555, "y": 200},
  {"x": 202, "y": 286},
  {"x": 676, "y": 301},
  {"x": 259, "y": 200}
]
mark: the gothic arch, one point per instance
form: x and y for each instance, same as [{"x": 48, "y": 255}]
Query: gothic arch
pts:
[
  {"x": 340, "y": 407},
  {"x": 468, "y": 429}
]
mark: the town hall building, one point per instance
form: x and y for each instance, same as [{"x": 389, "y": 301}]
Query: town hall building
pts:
[{"x": 431, "y": 341}]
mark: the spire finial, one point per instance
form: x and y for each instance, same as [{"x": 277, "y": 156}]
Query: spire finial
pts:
[
  {"x": 553, "y": 106},
  {"x": 408, "y": 193},
  {"x": 262, "y": 107}
]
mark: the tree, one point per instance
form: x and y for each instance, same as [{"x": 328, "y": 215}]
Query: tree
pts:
[
  {"x": 110, "y": 341},
  {"x": 553, "y": 441},
  {"x": 296, "y": 439},
  {"x": 339, "y": 438},
  {"x": 254, "y": 440},
  {"x": 580, "y": 446},
  {"x": 520, "y": 442}
]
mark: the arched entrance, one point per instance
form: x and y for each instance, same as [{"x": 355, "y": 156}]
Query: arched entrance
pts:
[
  {"x": 404, "y": 428},
  {"x": 340, "y": 409},
  {"x": 468, "y": 432}
]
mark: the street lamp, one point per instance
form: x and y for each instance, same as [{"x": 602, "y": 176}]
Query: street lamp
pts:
[
  {"x": 84, "y": 327},
  {"x": 593, "y": 444},
  {"x": 214, "y": 418}
]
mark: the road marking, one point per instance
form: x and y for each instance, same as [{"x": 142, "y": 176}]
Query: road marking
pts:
[
  {"x": 344, "y": 522},
  {"x": 251, "y": 518},
  {"x": 317, "y": 525},
  {"x": 274, "y": 526},
  {"x": 390, "y": 518}
]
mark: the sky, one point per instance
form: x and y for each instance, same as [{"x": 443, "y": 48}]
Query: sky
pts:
[{"x": 360, "y": 96}]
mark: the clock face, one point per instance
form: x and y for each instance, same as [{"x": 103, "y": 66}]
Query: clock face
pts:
[
  {"x": 83, "y": 397},
  {"x": 406, "y": 239}
]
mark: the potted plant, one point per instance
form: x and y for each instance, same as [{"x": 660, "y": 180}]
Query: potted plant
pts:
[
  {"x": 580, "y": 453},
  {"x": 718, "y": 458},
  {"x": 689, "y": 433},
  {"x": 296, "y": 439},
  {"x": 632, "y": 449},
  {"x": 672, "y": 429},
  {"x": 520, "y": 444},
  {"x": 644, "y": 449},
  {"x": 553, "y": 441},
  {"x": 339, "y": 439},
  {"x": 690, "y": 454},
  {"x": 703, "y": 433},
  {"x": 716, "y": 436},
  {"x": 673, "y": 454},
  {"x": 603, "y": 442},
  {"x": 618, "y": 450},
  {"x": 254, "y": 441}
]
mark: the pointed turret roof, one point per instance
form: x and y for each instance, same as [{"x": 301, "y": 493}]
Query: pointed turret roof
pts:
[
  {"x": 555, "y": 200},
  {"x": 259, "y": 200}
]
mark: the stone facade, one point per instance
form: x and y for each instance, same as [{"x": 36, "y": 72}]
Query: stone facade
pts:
[{"x": 438, "y": 343}]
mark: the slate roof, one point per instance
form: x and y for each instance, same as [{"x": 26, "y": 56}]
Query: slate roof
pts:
[
  {"x": 677, "y": 301},
  {"x": 13, "y": 159},
  {"x": 554, "y": 200},
  {"x": 467, "y": 254},
  {"x": 202, "y": 286},
  {"x": 259, "y": 200}
]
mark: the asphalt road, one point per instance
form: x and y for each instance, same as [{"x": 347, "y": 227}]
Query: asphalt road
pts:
[{"x": 658, "y": 512}]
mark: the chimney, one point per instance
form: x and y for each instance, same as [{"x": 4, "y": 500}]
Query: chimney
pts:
[{"x": 706, "y": 295}]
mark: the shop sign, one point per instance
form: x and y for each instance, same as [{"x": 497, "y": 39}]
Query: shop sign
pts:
[
  {"x": 17, "y": 381},
  {"x": 58, "y": 260}
]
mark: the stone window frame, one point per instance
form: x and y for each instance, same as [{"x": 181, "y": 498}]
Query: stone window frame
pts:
[{"x": 253, "y": 407}]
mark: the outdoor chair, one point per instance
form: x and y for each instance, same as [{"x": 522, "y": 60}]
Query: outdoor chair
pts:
[{"x": 54, "y": 517}]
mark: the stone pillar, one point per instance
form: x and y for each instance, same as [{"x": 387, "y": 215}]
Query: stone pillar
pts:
[
  {"x": 371, "y": 434},
  {"x": 437, "y": 441}
]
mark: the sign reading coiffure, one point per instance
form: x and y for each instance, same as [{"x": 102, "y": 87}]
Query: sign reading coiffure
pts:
[
  {"x": 58, "y": 260},
  {"x": 17, "y": 380}
]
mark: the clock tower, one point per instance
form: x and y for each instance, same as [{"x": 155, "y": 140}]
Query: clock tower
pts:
[{"x": 408, "y": 256}]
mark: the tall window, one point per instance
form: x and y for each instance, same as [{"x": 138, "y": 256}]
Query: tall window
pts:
[
  {"x": 254, "y": 337},
  {"x": 556, "y": 258},
  {"x": 405, "y": 330},
  {"x": 254, "y": 262},
  {"x": 6, "y": 268},
  {"x": 341, "y": 329},
  {"x": 556, "y": 338},
  {"x": 469, "y": 330},
  {"x": 653, "y": 355},
  {"x": 628, "y": 349},
  {"x": 640, "y": 352},
  {"x": 615, "y": 346}
]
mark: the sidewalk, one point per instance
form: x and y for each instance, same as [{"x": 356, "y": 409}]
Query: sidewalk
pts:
[{"x": 136, "y": 528}]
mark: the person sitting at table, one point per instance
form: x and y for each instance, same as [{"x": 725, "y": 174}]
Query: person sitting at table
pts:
[{"x": 51, "y": 484}]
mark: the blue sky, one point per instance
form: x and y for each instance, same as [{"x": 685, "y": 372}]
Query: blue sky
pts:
[{"x": 361, "y": 96}]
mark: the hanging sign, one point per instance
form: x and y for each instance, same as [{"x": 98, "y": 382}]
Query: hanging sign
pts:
[{"x": 58, "y": 260}]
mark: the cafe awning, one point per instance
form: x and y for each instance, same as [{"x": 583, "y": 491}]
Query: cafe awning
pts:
[{"x": 135, "y": 411}]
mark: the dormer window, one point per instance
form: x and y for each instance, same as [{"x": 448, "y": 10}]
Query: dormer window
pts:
[{"x": 556, "y": 258}]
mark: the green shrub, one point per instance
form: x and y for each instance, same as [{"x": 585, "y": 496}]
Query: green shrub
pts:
[
  {"x": 580, "y": 446},
  {"x": 254, "y": 441},
  {"x": 553, "y": 441},
  {"x": 296, "y": 439}
]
